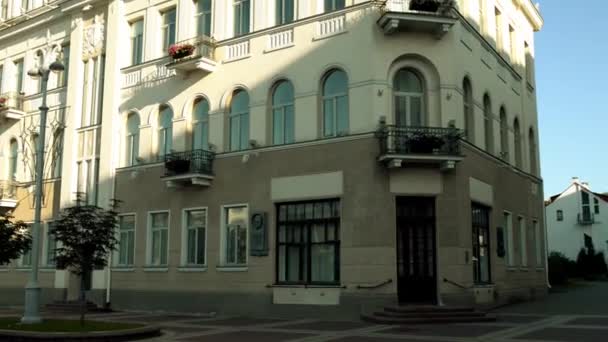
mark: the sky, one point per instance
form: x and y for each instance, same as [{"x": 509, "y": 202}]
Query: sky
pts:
[{"x": 572, "y": 93}]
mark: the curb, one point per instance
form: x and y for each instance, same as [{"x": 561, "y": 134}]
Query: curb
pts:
[{"x": 100, "y": 336}]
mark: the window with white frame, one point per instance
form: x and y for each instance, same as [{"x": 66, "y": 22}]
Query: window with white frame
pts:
[
  {"x": 126, "y": 240},
  {"x": 18, "y": 67},
  {"x": 165, "y": 131},
  {"x": 335, "y": 103},
  {"x": 167, "y": 29},
  {"x": 334, "y": 5},
  {"x": 137, "y": 41},
  {"x": 538, "y": 241},
  {"x": 559, "y": 215},
  {"x": 26, "y": 257},
  {"x": 242, "y": 17},
  {"x": 50, "y": 247},
  {"x": 408, "y": 89},
  {"x": 131, "y": 143},
  {"x": 596, "y": 205},
  {"x": 158, "y": 239},
  {"x": 508, "y": 224},
  {"x": 285, "y": 11},
  {"x": 239, "y": 120},
  {"x": 195, "y": 237},
  {"x": 235, "y": 234},
  {"x": 203, "y": 17},
  {"x": 200, "y": 124},
  {"x": 523, "y": 239},
  {"x": 283, "y": 125}
]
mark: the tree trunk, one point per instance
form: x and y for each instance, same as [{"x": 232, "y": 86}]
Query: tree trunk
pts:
[{"x": 83, "y": 299}]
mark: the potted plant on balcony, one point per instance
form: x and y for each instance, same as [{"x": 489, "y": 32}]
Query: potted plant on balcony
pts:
[
  {"x": 425, "y": 5},
  {"x": 177, "y": 51},
  {"x": 3, "y": 101},
  {"x": 422, "y": 142}
]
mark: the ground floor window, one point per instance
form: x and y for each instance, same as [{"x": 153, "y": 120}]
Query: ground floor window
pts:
[
  {"x": 51, "y": 246},
  {"x": 195, "y": 234},
  {"x": 159, "y": 236},
  {"x": 308, "y": 242},
  {"x": 235, "y": 235},
  {"x": 126, "y": 240},
  {"x": 481, "y": 243}
]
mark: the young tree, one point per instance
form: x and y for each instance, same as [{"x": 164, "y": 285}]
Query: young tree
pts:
[
  {"x": 86, "y": 234},
  {"x": 15, "y": 239}
]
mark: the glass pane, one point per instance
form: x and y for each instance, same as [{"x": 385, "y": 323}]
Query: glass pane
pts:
[
  {"x": 200, "y": 253},
  {"x": 191, "y": 246},
  {"x": 242, "y": 246},
  {"x": 282, "y": 262},
  {"x": 196, "y": 218},
  {"x": 131, "y": 248},
  {"x": 416, "y": 111},
  {"x": 160, "y": 220},
  {"x": 278, "y": 124},
  {"x": 407, "y": 81},
  {"x": 335, "y": 84},
  {"x": 237, "y": 216},
  {"x": 245, "y": 17},
  {"x": 342, "y": 112},
  {"x": 156, "y": 246},
  {"x": 328, "y": 118},
  {"x": 317, "y": 233},
  {"x": 234, "y": 134},
  {"x": 289, "y": 125},
  {"x": 231, "y": 244},
  {"x": 322, "y": 263},
  {"x": 401, "y": 110},
  {"x": 289, "y": 11},
  {"x": 164, "y": 246},
  {"x": 282, "y": 234},
  {"x": 293, "y": 269},
  {"x": 244, "y": 131}
]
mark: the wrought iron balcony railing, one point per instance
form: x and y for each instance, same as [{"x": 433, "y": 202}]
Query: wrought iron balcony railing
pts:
[
  {"x": 189, "y": 163},
  {"x": 399, "y": 140}
]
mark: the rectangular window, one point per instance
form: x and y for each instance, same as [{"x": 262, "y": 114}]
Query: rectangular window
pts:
[
  {"x": 334, "y": 5},
  {"x": 203, "y": 17},
  {"x": 508, "y": 223},
  {"x": 126, "y": 240},
  {"x": 167, "y": 30},
  {"x": 19, "y": 75},
  {"x": 26, "y": 257},
  {"x": 235, "y": 235},
  {"x": 523, "y": 239},
  {"x": 498, "y": 34},
  {"x": 50, "y": 246},
  {"x": 239, "y": 131},
  {"x": 586, "y": 217},
  {"x": 560, "y": 215},
  {"x": 195, "y": 236},
  {"x": 308, "y": 242},
  {"x": 538, "y": 244},
  {"x": 596, "y": 205},
  {"x": 137, "y": 42},
  {"x": 158, "y": 239},
  {"x": 480, "y": 216},
  {"x": 242, "y": 17},
  {"x": 285, "y": 11}
]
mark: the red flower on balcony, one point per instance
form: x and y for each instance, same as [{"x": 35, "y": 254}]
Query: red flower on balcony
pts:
[
  {"x": 177, "y": 51},
  {"x": 3, "y": 101}
]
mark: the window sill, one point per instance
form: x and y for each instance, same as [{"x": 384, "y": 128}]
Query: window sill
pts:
[
  {"x": 524, "y": 269},
  {"x": 540, "y": 269},
  {"x": 47, "y": 269},
  {"x": 239, "y": 268},
  {"x": 156, "y": 269},
  {"x": 3, "y": 269},
  {"x": 123, "y": 269},
  {"x": 192, "y": 269},
  {"x": 23, "y": 269},
  {"x": 511, "y": 268}
]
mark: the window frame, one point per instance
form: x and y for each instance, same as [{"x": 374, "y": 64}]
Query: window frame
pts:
[
  {"x": 149, "y": 240},
  {"x": 305, "y": 244},
  {"x": 116, "y": 262},
  {"x": 194, "y": 125},
  {"x": 333, "y": 7},
  {"x": 184, "y": 238},
  {"x": 224, "y": 264},
  {"x": 203, "y": 13},
  {"x": 478, "y": 230},
  {"x": 164, "y": 135},
  {"x": 523, "y": 241},
  {"x": 165, "y": 30},
  {"x": 510, "y": 248},
  {"x": 334, "y": 98},
  {"x": 281, "y": 14},
  {"x": 282, "y": 110},
  {"x": 239, "y": 117},
  {"x": 133, "y": 37},
  {"x": 238, "y": 27},
  {"x": 559, "y": 215}
]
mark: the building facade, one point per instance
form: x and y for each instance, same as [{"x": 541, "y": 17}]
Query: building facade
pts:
[
  {"x": 333, "y": 153},
  {"x": 576, "y": 217}
]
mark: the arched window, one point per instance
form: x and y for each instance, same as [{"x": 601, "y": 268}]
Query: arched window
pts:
[
  {"x": 409, "y": 99},
  {"x": 239, "y": 120},
  {"x": 334, "y": 5},
  {"x": 488, "y": 123},
  {"x": 165, "y": 130},
  {"x": 469, "y": 111},
  {"x": 517, "y": 138},
  {"x": 532, "y": 151},
  {"x": 200, "y": 124},
  {"x": 12, "y": 159},
  {"x": 132, "y": 140},
  {"x": 282, "y": 113},
  {"x": 335, "y": 103},
  {"x": 504, "y": 134},
  {"x": 57, "y": 153}
]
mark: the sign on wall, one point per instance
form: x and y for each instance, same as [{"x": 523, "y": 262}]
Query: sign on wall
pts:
[{"x": 259, "y": 234}]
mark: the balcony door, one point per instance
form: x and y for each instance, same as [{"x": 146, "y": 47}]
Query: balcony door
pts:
[
  {"x": 409, "y": 98},
  {"x": 416, "y": 272}
]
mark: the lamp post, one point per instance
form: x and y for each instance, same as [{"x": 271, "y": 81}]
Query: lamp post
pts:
[{"x": 32, "y": 288}]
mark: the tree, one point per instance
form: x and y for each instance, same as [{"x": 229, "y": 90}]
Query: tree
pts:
[
  {"x": 86, "y": 234},
  {"x": 15, "y": 239}
]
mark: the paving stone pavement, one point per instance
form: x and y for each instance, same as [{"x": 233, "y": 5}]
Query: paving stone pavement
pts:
[{"x": 579, "y": 315}]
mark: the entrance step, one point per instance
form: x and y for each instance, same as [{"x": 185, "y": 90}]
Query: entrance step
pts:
[
  {"x": 72, "y": 307},
  {"x": 426, "y": 315}
]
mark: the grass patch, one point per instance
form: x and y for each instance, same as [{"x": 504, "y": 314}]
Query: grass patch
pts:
[{"x": 56, "y": 325}]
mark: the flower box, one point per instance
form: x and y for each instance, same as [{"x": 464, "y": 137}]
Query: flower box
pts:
[{"x": 177, "y": 51}]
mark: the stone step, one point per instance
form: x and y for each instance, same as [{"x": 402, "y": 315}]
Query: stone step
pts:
[
  {"x": 426, "y": 308},
  {"x": 429, "y": 314},
  {"x": 431, "y": 320}
]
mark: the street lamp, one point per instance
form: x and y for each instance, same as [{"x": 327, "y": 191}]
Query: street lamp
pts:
[{"x": 32, "y": 288}]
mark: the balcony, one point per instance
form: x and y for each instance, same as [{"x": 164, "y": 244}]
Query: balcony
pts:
[
  {"x": 419, "y": 145},
  {"x": 585, "y": 219},
  {"x": 189, "y": 168},
  {"x": 11, "y": 106},
  {"x": 8, "y": 195},
  {"x": 193, "y": 54},
  {"x": 429, "y": 16}
]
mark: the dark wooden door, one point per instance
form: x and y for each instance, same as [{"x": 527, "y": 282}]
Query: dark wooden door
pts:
[{"x": 417, "y": 279}]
